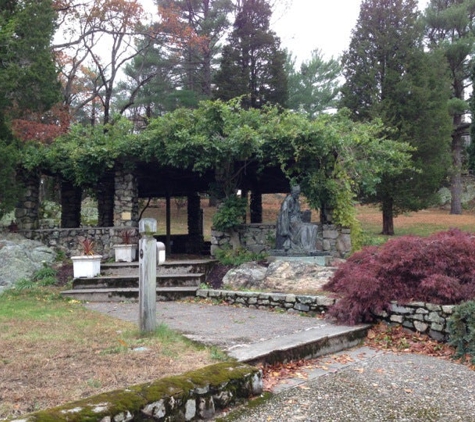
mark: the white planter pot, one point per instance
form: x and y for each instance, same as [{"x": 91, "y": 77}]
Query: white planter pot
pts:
[
  {"x": 86, "y": 266},
  {"x": 125, "y": 253}
]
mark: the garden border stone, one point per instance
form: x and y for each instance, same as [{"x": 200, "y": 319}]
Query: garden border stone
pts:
[{"x": 194, "y": 395}]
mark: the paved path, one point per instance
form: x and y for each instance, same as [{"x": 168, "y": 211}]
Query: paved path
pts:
[
  {"x": 224, "y": 326},
  {"x": 356, "y": 385}
]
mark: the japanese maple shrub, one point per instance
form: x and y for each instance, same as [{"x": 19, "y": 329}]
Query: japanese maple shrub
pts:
[{"x": 439, "y": 269}]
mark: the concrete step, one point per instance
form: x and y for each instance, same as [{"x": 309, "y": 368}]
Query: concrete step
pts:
[
  {"x": 132, "y": 281},
  {"x": 307, "y": 344},
  {"x": 127, "y": 294}
]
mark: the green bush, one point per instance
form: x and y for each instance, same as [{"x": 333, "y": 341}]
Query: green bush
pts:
[
  {"x": 230, "y": 213},
  {"x": 237, "y": 256},
  {"x": 461, "y": 326},
  {"x": 44, "y": 277},
  {"x": 44, "y": 273}
]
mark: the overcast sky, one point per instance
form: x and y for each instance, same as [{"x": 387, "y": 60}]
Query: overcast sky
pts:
[{"x": 322, "y": 24}]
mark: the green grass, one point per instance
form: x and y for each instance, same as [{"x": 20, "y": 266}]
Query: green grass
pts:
[{"x": 422, "y": 223}]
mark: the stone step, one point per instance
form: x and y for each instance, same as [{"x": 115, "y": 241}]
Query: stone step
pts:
[
  {"x": 132, "y": 281},
  {"x": 128, "y": 294},
  {"x": 307, "y": 344},
  {"x": 168, "y": 267}
]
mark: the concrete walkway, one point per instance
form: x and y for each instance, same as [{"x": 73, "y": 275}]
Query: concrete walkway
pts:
[
  {"x": 359, "y": 384},
  {"x": 248, "y": 335}
]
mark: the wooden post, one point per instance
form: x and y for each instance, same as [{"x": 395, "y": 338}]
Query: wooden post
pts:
[
  {"x": 147, "y": 275},
  {"x": 168, "y": 225}
]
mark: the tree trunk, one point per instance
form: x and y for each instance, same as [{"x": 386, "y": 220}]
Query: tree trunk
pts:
[
  {"x": 456, "y": 173},
  {"x": 388, "y": 217}
]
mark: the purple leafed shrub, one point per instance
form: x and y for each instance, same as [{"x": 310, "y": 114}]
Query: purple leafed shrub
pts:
[{"x": 438, "y": 269}]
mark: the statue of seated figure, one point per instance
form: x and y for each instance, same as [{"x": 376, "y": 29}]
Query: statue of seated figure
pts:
[{"x": 293, "y": 235}]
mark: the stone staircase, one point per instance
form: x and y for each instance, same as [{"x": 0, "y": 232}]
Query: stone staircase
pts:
[{"x": 120, "y": 281}]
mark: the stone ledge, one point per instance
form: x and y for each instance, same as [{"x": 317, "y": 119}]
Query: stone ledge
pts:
[
  {"x": 425, "y": 318},
  {"x": 278, "y": 301},
  {"x": 191, "y": 396}
]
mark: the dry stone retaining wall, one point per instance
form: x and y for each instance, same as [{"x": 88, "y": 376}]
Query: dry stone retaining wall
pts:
[
  {"x": 189, "y": 397},
  {"x": 425, "y": 318},
  {"x": 69, "y": 240},
  {"x": 260, "y": 237}
]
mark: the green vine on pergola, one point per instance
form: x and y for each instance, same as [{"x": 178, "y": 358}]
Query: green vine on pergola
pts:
[{"x": 331, "y": 157}]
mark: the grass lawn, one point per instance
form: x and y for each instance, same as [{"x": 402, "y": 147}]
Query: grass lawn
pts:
[
  {"x": 54, "y": 351},
  {"x": 421, "y": 223}
]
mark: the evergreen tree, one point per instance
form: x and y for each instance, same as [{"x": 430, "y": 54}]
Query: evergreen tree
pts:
[
  {"x": 190, "y": 32},
  {"x": 389, "y": 76},
  {"x": 450, "y": 27},
  {"x": 28, "y": 76},
  {"x": 315, "y": 86},
  {"x": 150, "y": 87},
  {"x": 252, "y": 64},
  {"x": 28, "y": 79}
]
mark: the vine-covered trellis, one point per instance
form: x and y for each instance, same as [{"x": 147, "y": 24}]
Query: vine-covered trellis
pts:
[{"x": 331, "y": 157}]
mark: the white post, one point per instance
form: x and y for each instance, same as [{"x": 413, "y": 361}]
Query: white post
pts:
[{"x": 147, "y": 275}]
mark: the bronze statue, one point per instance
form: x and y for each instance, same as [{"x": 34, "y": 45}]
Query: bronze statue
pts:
[{"x": 293, "y": 235}]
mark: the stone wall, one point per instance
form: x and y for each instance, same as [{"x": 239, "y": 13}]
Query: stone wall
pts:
[
  {"x": 260, "y": 237},
  {"x": 126, "y": 202},
  {"x": 69, "y": 241},
  {"x": 290, "y": 303},
  {"x": 189, "y": 397},
  {"x": 425, "y": 318},
  {"x": 26, "y": 214}
]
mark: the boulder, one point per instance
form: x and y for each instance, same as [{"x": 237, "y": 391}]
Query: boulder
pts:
[
  {"x": 290, "y": 276},
  {"x": 281, "y": 276},
  {"x": 247, "y": 275},
  {"x": 21, "y": 258}
]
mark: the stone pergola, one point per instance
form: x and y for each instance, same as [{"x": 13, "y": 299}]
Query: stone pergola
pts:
[{"x": 119, "y": 190}]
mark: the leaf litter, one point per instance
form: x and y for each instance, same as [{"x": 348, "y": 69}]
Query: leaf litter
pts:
[{"x": 381, "y": 337}]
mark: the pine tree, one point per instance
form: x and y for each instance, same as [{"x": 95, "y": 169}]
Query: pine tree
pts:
[
  {"x": 28, "y": 79},
  {"x": 28, "y": 76},
  {"x": 389, "y": 76},
  {"x": 315, "y": 86},
  {"x": 191, "y": 31},
  {"x": 450, "y": 27},
  {"x": 252, "y": 64}
]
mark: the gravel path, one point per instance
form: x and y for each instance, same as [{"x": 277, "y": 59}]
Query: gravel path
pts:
[{"x": 387, "y": 387}]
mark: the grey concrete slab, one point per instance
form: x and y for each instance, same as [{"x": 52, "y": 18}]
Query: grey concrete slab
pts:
[
  {"x": 314, "y": 342},
  {"x": 249, "y": 335}
]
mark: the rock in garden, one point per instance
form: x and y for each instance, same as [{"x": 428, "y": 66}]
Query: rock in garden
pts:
[
  {"x": 247, "y": 275},
  {"x": 287, "y": 276},
  {"x": 282, "y": 276},
  {"x": 20, "y": 258}
]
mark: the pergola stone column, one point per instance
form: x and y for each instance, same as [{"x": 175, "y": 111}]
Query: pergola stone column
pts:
[
  {"x": 126, "y": 202},
  {"x": 71, "y": 197},
  {"x": 27, "y": 210}
]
